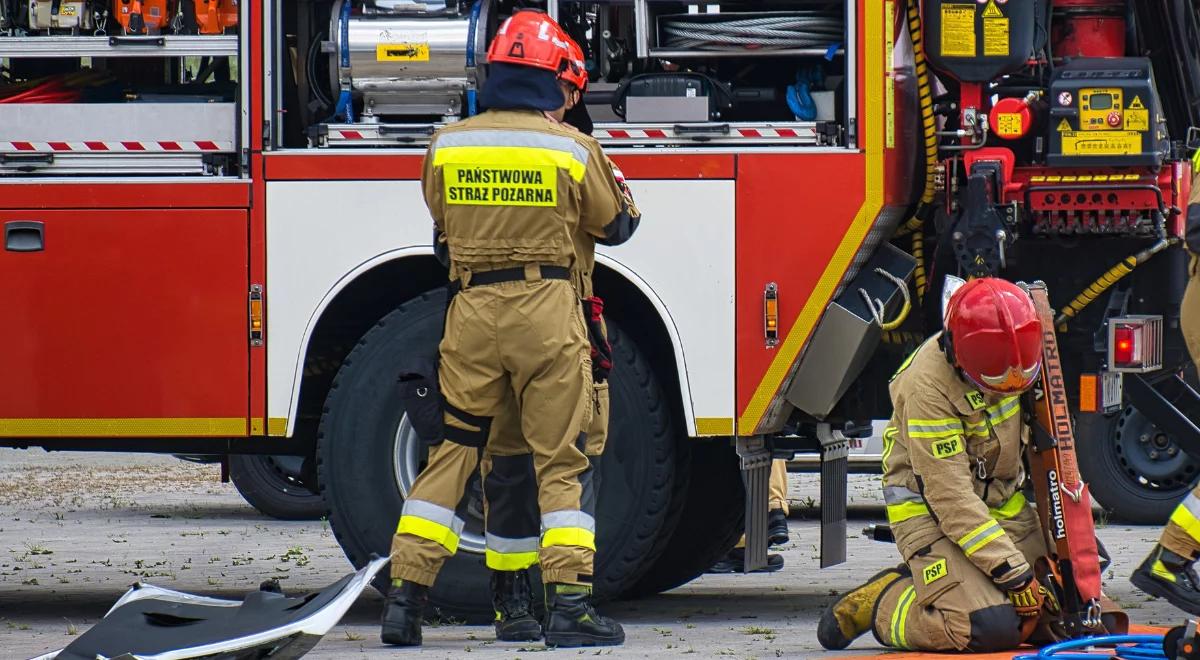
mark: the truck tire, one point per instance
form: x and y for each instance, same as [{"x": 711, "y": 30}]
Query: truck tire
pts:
[
  {"x": 273, "y": 485},
  {"x": 1134, "y": 470},
  {"x": 367, "y": 457},
  {"x": 709, "y": 525}
]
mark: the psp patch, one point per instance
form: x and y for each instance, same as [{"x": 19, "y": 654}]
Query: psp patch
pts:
[
  {"x": 934, "y": 572},
  {"x": 947, "y": 447},
  {"x": 525, "y": 185},
  {"x": 976, "y": 400}
]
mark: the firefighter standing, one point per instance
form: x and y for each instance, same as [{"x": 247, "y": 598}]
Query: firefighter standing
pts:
[
  {"x": 1168, "y": 571},
  {"x": 509, "y": 189},
  {"x": 952, "y": 485},
  {"x": 511, "y": 518}
]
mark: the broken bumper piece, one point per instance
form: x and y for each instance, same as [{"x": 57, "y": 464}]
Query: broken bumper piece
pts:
[{"x": 151, "y": 623}]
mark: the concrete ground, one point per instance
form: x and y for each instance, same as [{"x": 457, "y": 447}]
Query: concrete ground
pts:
[{"x": 76, "y": 529}]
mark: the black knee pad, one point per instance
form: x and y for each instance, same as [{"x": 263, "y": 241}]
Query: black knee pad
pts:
[
  {"x": 511, "y": 491},
  {"x": 995, "y": 628},
  {"x": 465, "y": 437}
]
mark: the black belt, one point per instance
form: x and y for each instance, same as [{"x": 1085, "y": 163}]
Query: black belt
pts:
[{"x": 516, "y": 274}]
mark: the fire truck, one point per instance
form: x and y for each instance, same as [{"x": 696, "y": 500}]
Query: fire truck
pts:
[{"x": 215, "y": 242}]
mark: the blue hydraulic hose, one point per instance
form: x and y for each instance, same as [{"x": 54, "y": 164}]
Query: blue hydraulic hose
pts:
[
  {"x": 471, "y": 27},
  {"x": 1138, "y": 647},
  {"x": 345, "y": 104}
]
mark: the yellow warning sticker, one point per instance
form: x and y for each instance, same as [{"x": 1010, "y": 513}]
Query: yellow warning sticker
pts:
[
  {"x": 1064, "y": 126},
  {"x": 995, "y": 37},
  {"x": 66, "y": 10},
  {"x": 1101, "y": 143},
  {"x": 528, "y": 185},
  {"x": 410, "y": 52},
  {"x": 1136, "y": 104},
  {"x": 958, "y": 30},
  {"x": 1008, "y": 124},
  {"x": 934, "y": 571},
  {"x": 992, "y": 11},
  {"x": 1137, "y": 120}
]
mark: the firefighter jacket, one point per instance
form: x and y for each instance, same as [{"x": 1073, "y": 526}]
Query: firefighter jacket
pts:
[
  {"x": 585, "y": 243},
  {"x": 952, "y": 464},
  {"x": 511, "y": 188}
]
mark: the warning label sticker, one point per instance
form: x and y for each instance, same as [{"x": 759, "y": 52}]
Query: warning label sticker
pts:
[
  {"x": 407, "y": 52},
  {"x": 528, "y": 185},
  {"x": 1008, "y": 124},
  {"x": 995, "y": 36},
  {"x": 992, "y": 11},
  {"x": 1064, "y": 126},
  {"x": 958, "y": 30},
  {"x": 1136, "y": 104},
  {"x": 1101, "y": 143},
  {"x": 1137, "y": 120}
]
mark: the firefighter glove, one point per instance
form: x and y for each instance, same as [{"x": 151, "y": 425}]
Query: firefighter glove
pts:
[{"x": 1030, "y": 599}]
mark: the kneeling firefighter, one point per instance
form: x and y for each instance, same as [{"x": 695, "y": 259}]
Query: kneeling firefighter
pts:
[
  {"x": 509, "y": 190},
  {"x": 1169, "y": 571},
  {"x": 952, "y": 484},
  {"x": 511, "y": 519}
]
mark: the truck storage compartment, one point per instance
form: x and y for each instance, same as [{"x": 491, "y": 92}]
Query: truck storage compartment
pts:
[
  {"x": 132, "y": 314},
  {"x": 118, "y": 88},
  {"x": 661, "y": 72}
]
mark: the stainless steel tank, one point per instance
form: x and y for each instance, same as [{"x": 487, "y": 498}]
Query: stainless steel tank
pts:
[{"x": 406, "y": 58}]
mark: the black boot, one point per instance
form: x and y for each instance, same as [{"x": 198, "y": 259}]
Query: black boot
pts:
[
  {"x": 402, "y": 612},
  {"x": 513, "y": 601},
  {"x": 1165, "y": 574},
  {"x": 777, "y": 528},
  {"x": 572, "y": 621},
  {"x": 735, "y": 562}
]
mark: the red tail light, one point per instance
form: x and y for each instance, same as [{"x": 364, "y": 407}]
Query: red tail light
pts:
[
  {"x": 1135, "y": 343},
  {"x": 1124, "y": 347}
]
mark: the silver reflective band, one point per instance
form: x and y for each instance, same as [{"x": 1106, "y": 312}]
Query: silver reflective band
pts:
[
  {"x": 515, "y": 138},
  {"x": 900, "y": 494},
  {"x": 510, "y": 546},
  {"x": 1192, "y": 504},
  {"x": 556, "y": 519},
  {"x": 1006, "y": 406},
  {"x": 978, "y": 538},
  {"x": 935, "y": 428},
  {"x": 433, "y": 513}
]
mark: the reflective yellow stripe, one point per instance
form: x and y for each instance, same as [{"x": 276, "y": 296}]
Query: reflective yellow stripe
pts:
[
  {"x": 1196, "y": 163},
  {"x": 1011, "y": 508},
  {"x": 427, "y": 529},
  {"x": 510, "y": 561},
  {"x": 569, "y": 536},
  {"x": 899, "y": 638},
  {"x": 898, "y": 513},
  {"x": 934, "y": 428},
  {"x": 1186, "y": 520},
  {"x": 1004, "y": 410},
  {"x": 889, "y": 441},
  {"x": 510, "y": 157},
  {"x": 978, "y": 538}
]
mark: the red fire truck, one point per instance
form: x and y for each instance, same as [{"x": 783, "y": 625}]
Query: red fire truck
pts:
[{"x": 216, "y": 244}]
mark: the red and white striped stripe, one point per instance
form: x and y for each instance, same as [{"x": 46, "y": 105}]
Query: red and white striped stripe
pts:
[
  {"x": 195, "y": 146},
  {"x": 735, "y": 133}
]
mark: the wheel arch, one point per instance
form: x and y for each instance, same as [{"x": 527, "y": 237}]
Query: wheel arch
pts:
[{"x": 377, "y": 286}]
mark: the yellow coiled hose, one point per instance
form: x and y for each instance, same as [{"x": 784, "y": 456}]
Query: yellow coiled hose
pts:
[{"x": 1109, "y": 278}]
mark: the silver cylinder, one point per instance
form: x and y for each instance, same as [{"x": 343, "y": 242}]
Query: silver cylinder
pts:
[{"x": 407, "y": 62}]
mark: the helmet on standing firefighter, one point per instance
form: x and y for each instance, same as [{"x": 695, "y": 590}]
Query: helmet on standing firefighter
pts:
[
  {"x": 526, "y": 59},
  {"x": 993, "y": 335}
]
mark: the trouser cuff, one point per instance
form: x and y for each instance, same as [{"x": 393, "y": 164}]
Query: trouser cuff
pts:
[
  {"x": 410, "y": 573},
  {"x": 566, "y": 577}
]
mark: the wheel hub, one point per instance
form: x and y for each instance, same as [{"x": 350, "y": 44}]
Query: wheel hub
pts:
[
  {"x": 1150, "y": 456},
  {"x": 410, "y": 457}
]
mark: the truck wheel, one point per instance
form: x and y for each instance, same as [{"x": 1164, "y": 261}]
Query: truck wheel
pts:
[
  {"x": 368, "y": 458},
  {"x": 1133, "y": 469},
  {"x": 710, "y": 522},
  {"x": 275, "y": 486}
]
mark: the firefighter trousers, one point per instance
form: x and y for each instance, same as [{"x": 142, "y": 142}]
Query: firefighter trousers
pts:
[
  {"x": 1182, "y": 533},
  {"x": 520, "y": 347},
  {"x": 948, "y": 604},
  {"x": 777, "y": 487}
]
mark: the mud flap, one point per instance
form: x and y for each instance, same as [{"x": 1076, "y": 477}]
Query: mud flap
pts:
[
  {"x": 835, "y": 450},
  {"x": 149, "y": 622},
  {"x": 756, "y": 474}
]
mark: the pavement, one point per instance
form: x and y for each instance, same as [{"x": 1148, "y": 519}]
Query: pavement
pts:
[{"x": 76, "y": 529}]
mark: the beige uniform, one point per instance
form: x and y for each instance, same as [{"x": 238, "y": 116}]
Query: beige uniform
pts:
[
  {"x": 509, "y": 191},
  {"x": 1182, "y": 533},
  {"x": 952, "y": 478},
  {"x": 511, "y": 521}
]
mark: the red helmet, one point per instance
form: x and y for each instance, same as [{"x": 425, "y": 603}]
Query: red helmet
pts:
[
  {"x": 995, "y": 334},
  {"x": 576, "y": 71},
  {"x": 530, "y": 38}
]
